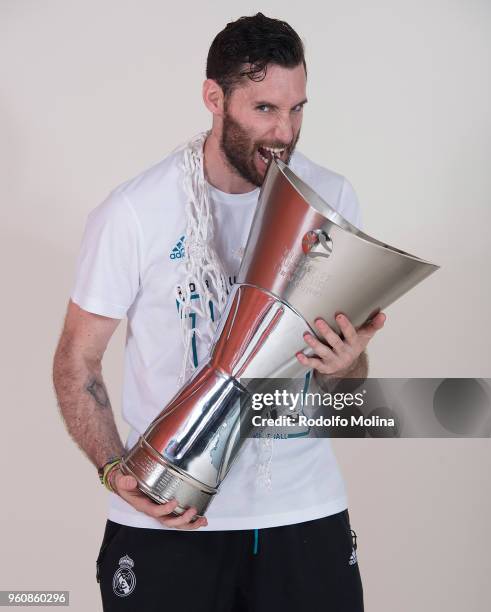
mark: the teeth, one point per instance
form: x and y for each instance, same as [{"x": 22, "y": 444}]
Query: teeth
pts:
[{"x": 274, "y": 153}]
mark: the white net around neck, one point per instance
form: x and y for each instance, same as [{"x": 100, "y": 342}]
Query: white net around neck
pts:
[{"x": 202, "y": 266}]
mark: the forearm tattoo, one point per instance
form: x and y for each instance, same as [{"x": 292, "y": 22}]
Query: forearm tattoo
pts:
[{"x": 98, "y": 391}]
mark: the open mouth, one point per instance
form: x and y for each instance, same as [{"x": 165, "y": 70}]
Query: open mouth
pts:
[{"x": 267, "y": 153}]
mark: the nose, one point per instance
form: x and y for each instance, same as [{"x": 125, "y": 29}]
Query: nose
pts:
[{"x": 283, "y": 130}]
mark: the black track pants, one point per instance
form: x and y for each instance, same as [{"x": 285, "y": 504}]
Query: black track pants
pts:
[{"x": 307, "y": 566}]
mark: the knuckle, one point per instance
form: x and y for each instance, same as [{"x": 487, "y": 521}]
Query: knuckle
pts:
[
  {"x": 168, "y": 507},
  {"x": 186, "y": 526},
  {"x": 159, "y": 511},
  {"x": 127, "y": 498}
]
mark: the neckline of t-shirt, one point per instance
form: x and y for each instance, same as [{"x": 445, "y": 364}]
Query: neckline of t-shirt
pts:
[{"x": 233, "y": 198}]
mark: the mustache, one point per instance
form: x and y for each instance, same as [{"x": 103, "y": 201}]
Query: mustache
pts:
[
  {"x": 281, "y": 145},
  {"x": 277, "y": 145}
]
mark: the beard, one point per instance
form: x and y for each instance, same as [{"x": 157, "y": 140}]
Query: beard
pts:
[{"x": 241, "y": 151}]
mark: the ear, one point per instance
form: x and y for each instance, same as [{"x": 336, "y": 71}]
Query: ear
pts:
[{"x": 213, "y": 97}]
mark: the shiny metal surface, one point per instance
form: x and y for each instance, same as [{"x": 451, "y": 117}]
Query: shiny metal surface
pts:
[
  {"x": 302, "y": 261},
  {"x": 319, "y": 263},
  {"x": 162, "y": 481},
  {"x": 189, "y": 448}
]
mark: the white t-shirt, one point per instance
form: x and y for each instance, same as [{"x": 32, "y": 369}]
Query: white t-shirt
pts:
[{"x": 129, "y": 266}]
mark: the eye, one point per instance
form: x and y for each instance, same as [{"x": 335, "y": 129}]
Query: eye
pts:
[
  {"x": 298, "y": 108},
  {"x": 264, "y": 108}
]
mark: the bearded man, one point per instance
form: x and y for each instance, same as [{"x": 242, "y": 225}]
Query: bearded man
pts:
[{"x": 162, "y": 251}]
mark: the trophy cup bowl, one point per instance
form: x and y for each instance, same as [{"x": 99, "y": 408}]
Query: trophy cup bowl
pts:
[{"x": 302, "y": 261}]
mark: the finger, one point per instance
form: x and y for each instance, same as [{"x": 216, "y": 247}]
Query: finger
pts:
[
  {"x": 125, "y": 483},
  {"x": 201, "y": 522},
  {"x": 369, "y": 329},
  {"x": 329, "y": 334},
  {"x": 164, "y": 509},
  {"x": 345, "y": 325},
  {"x": 322, "y": 350},
  {"x": 129, "y": 492},
  {"x": 142, "y": 503},
  {"x": 312, "y": 362},
  {"x": 139, "y": 501},
  {"x": 184, "y": 519},
  {"x": 379, "y": 321}
]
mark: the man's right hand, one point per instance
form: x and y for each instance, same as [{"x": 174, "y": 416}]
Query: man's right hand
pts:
[{"x": 126, "y": 487}]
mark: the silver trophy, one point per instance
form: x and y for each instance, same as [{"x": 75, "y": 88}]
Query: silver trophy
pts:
[{"x": 302, "y": 261}]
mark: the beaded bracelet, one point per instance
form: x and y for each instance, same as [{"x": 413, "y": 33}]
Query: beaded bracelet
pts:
[{"x": 106, "y": 469}]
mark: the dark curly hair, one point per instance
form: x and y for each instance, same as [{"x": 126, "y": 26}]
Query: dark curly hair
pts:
[{"x": 245, "y": 47}]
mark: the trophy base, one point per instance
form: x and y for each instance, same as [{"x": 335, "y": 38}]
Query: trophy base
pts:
[{"x": 163, "y": 482}]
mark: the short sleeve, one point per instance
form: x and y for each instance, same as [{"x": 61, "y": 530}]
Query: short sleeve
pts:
[
  {"x": 348, "y": 205},
  {"x": 107, "y": 277}
]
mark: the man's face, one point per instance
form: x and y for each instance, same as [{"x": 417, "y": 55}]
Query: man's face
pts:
[{"x": 261, "y": 116}]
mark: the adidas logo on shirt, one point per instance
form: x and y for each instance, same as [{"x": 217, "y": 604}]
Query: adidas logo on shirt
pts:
[{"x": 178, "y": 251}]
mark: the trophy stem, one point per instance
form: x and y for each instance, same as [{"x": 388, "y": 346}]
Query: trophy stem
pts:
[
  {"x": 162, "y": 481},
  {"x": 187, "y": 450}
]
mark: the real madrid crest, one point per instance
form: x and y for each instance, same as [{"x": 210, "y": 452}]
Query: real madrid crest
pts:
[{"x": 124, "y": 580}]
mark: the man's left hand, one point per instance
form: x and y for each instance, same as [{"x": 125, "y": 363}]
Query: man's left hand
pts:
[{"x": 338, "y": 357}]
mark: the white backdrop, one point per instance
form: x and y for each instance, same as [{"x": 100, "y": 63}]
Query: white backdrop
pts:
[{"x": 399, "y": 96}]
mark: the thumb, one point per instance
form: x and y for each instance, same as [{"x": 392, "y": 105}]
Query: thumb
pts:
[{"x": 126, "y": 483}]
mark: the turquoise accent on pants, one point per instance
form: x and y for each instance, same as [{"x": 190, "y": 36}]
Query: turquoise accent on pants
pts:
[{"x": 255, "y": 548}]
